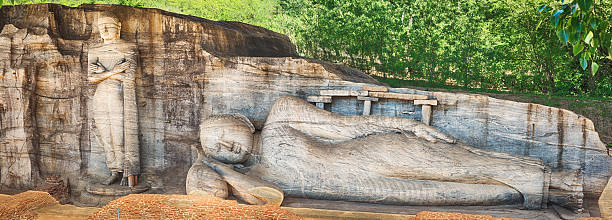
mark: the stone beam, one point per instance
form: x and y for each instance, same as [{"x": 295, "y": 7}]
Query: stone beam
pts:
[
  {"x": 426, "y": 102},
  {"x": 343, "y": 93},
  {"x": 399, "y": 96},
  {"x": 366, "y": 98},
  {"x": 375, "y": 88},
  {"x": 319, "y": 99}
]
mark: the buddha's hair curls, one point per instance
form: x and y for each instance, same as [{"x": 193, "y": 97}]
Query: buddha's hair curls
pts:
[
  {"x": 237, "y": 117},
  {"x": 106, "y": 15}
]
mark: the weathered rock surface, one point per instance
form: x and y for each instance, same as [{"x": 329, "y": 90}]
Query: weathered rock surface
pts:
[
  {"x": 203, "y": 181},
  {"x": 190, "y": 68},
  {"x": 44, "y": 114},
  {"x": 55, "y": 186}
]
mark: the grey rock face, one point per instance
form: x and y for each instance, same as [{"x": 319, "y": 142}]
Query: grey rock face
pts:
[
  {"x": 46, "y": 116},
  {"x": 312, "y": 153},
  {"x": 190, "y": 68}
]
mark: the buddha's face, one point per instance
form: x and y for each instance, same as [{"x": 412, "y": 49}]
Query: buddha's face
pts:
[
  {"x": 109, "y": 29},
  {"x": 227, "y": 140}
]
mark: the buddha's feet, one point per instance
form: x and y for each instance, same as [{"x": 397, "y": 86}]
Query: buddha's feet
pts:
[
  {"x": 124, "y": 181},
  {"x": 566, "y": 190},
  {"x": 112, "y": 178}
]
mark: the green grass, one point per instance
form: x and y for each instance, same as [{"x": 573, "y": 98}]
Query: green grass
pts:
[{"x": 397, "y": 83}]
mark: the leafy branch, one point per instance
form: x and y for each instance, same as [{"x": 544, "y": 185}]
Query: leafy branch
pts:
[{"x": 581, "y": 24}]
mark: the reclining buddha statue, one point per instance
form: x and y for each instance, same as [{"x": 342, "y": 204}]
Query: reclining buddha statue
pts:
[{"x": 304, "y": 151}]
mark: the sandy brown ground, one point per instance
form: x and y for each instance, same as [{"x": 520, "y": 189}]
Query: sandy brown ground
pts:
[
  {"x": 40, "y": 205},
  {"x": 65, "y": 212}
]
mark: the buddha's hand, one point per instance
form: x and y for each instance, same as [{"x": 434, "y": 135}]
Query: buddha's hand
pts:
[
  {"x": 96, "y": 68},
  {"x": 431, "y": 134},
  {"x": 214, "y": 164},
  {"x": 121, "y": 67},
  {"x": 119, "y": 76}
]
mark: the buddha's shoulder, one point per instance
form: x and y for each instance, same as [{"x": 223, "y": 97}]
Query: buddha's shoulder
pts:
[
  {"x": 285, "y": 103},
  {"x": 118, "y": 46}
]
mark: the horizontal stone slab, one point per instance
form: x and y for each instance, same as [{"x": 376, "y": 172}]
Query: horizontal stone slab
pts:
[
  {"x": 366, "y": 98},
  {"x": 343, "y": 93},
  {"x": 426, "y": 102},
  {"x": 319, "y": 98},
  {"x": 400, "y": 96},
  {"x": 375, "y": 88}
]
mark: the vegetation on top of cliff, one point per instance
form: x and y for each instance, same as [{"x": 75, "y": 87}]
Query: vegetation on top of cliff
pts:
[
  {"x": 585, "y": 27},
  {"x": 516, "y": 46},
  {"x": 495, "y": 45}
]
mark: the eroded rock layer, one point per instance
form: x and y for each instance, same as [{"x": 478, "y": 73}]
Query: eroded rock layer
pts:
[{"x": 189, "y": 68}]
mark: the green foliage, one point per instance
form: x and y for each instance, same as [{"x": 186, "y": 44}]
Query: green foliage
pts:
[
  {"x": 487, "y": 44},
  {"x": 264, "y": 13},
  {"x": 535, "y": 46},
  {"x": 588, "y": 27},
  {"x": 473, "y": 44}
]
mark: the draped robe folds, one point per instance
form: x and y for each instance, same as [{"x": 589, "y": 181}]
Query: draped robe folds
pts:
[
  {"x": 114, "y": 106},
  {"x": 309, "y": 152}
]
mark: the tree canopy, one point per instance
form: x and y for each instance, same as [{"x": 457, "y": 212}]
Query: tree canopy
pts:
[
  {"x": 499, "y": 45},
  {"x": 584, "y": 25},
  {"x": 555, "y": 47}
]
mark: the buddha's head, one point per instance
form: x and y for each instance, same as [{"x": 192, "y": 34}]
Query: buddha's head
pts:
[
  {"x": 227, "y": 138},
  {"x": 109, "y": 27}
]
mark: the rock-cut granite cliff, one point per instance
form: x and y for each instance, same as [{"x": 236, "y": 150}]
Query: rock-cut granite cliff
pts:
[{"x": 189, "y": 68}]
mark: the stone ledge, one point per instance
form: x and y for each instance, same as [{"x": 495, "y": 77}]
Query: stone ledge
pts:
[
  {"x": 400, "y": 96},
  {"x": 426, "y": 102},
  {"x": 343, "y": 93},
  {"x": 365, "y": 98},
  {"x": 375, "y": 88},
  {"x": 319, "y": 99}
]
